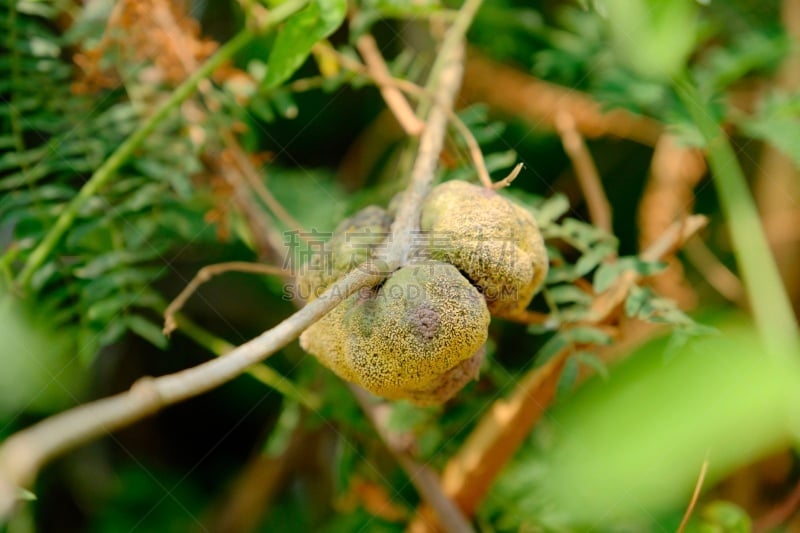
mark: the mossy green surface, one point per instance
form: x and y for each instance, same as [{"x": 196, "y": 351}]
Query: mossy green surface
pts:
[
  {"x": 419, "y": 336},
  {"x": 494, "y": 242}
]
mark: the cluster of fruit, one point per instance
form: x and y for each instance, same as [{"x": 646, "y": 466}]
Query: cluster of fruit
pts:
[{"x": 419, "y": 335}]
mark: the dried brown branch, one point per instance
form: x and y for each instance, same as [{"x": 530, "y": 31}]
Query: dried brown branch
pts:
[
  {"x": 518, "y": 94},
  {"x": 669, "y": 242},
  {"x": 669, "y": 196},
  {"x": 469, "y": 473},
  {"x": 267, "y": 240},
  {"x": 394, "y": 99},
  {"x": 585, "y": 170},
  {"x": 253, "y": 178},
  {"x": 424, "y": 95},
  {"x": 263, "y": 231},
  {"x": 529, "y": 317}
]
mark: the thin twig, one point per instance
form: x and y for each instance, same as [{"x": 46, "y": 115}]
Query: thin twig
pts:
[
  {"x": 254, "y": 180},
  {"x": 395, "y": 101},
  {"x": 529, "y": 317},
  {"x": 423, "y": 95},
  {"x": 265, "y": 235},
  {"x": 424, "y": 479},
  {"x": 431, "y": 142},
  {"x": 506, "y": 182},
  {"x": 24, "y": 453},
  {"x": 695, "y": 495},
  {"x": 261, "y": 372},
  {"x": 585, "y": 170}
]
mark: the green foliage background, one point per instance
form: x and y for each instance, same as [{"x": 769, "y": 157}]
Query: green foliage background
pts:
[{"x": 89, "y": 322}]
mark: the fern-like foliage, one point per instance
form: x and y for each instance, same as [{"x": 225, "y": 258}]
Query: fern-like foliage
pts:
[{"x": 99, "y": 280}]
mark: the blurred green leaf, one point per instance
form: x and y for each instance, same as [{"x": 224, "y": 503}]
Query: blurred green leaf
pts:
[
  {"x": 299, "y": 34},
  {"x": 777, "y": 122},
  {"x": 147, "y": 330},
  {"x": 568, "y": 377},
  {"x": 644, "y": 34}
]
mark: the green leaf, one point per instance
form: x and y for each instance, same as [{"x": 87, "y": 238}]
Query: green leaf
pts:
[
  {"x": 407, "y": 417},
  {"x": 636, "y": 302},
  {"x": 777, "y": 121},
  {"x": 606, "y": 275},
  {"x": 294, "y": 41},
  {"x": 588, "y": 335},
  {"x": 553, "y": 346},
  {"x": 552, "y": 209},
  {"x": 287, "y": 424},
  {"x": 592, "y": 361},
  {"x": 147, "y": 330},
  {"x": 569, "y": 375},
  {"x": 567, "y": 294}
]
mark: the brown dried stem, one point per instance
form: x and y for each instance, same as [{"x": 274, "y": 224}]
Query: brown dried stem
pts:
[
  {"x": 424, "y": 95},
  {"x": 506, "y": 182},
  {"x": 394, "y": 99},
  {"x": 695, "y": 496},
  {"x": 254, "y": 180},
  {"x": 585, "y": 170}
]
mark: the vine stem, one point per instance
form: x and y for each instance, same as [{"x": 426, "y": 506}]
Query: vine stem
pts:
[
  {"x": 769, "y": 302},
  {"x": 109, "y": 168}
]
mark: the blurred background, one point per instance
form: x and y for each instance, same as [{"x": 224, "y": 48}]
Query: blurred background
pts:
[{"x": 667, "y": 390}]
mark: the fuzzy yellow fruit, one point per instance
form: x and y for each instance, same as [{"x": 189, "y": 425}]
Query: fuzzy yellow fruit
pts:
[
  {"x": 493, "y": 241},
  {"x": 418, "y": 337}
]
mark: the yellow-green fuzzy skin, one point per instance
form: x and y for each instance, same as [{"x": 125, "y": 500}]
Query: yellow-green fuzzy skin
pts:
[
  {"x": 354, "y": 241},
  {"x": 418, "y": 337},
  {"x": 494, "y": 242}
]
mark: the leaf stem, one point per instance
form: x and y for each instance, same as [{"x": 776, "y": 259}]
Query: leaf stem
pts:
[
  {"x": 109, "y": 168},
  {"x": 770, "y": 304}
]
